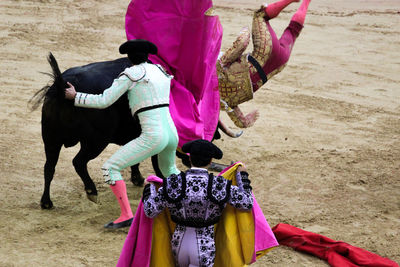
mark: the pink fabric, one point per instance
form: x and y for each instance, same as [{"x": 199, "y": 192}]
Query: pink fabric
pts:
[
  {"x": 137, "y": 246},
  {"x": 273, "y": 10},
  {"x": 188, "y": 44},
  {"x": 264, "y": 237},
  {"x": 300, "y": 15}
]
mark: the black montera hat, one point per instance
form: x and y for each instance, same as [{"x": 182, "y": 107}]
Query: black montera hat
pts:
[
  {"x": 138, "y": 46},
  {"x": 202, "y": 148}
]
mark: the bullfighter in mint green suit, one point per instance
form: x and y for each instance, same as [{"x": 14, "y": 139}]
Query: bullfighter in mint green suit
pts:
[{"x": 148, "y": 87}]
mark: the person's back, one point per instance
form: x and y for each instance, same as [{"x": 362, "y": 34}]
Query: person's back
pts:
[
  {"x": 196, "y": 200},
  {"x": 152, "y": 86}
]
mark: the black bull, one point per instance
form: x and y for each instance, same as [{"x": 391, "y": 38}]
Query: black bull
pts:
[{"x": 65, "y": 124}]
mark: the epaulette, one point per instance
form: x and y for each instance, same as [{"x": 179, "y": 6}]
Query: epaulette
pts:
[
  {"x": 134, "y": 73},
  {"x": 219, "y": 189},
  {"x": 175, "y": 187}
]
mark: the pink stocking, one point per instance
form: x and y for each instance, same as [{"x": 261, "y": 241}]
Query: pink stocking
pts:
[
  {"x": 300, "y": 14},
  {"x": 273, "y": 10},
  {"x": 119, "y": 190}
]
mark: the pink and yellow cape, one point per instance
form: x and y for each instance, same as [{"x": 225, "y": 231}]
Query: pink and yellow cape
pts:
[
  {"x": 240, "y": 237},
  {"x": 188, "y": 37}
]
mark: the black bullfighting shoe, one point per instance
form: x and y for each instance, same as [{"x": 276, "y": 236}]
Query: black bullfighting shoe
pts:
[{"x": 112, "y": 225}]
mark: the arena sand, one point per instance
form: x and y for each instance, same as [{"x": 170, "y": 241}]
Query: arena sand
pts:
[{"x": 324, "y": 155}]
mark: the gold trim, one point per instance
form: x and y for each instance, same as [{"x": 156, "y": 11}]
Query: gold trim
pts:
[{"x": 210, "y": 12}]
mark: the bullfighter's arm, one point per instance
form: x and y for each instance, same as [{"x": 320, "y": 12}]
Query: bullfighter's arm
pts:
[
  {"x": 107, "y": 98},
  {"x": 153, "y": 200},
  {"x": 241, "y": 196},
  {"x": 240, "y": 120}
]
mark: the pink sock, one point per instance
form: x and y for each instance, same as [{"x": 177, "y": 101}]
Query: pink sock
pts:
[
  {"x": 300, "y": 14},
  {"x": 119, "y": 190},
  {"x": 273, "y": 10}
]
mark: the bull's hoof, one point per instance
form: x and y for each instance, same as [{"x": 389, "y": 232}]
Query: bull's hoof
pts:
[
  {"x": 93, "y": 198},
  {"x": 137, "y": 180},
  {"x": 46, "y": 205}
]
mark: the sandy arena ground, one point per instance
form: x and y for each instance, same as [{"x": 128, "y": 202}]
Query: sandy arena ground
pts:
[{"x": 323, "y": 156}]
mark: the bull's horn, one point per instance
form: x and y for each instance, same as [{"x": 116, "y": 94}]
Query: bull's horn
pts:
[
  {"x": 228, "y": 131},
  {"x": 217, "y": 167}
]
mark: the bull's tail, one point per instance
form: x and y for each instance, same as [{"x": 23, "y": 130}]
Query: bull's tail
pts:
[{"x": 54, "y": 89}]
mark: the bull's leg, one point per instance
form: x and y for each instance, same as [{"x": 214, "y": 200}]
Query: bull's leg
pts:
[
  {"x": 156, "y": 167},
  {"x": 136, "y": 177},
  {"x": 185, "y": 158},
  {"x": 85, "y": 154},
  {"x": 52, "y": 153}
]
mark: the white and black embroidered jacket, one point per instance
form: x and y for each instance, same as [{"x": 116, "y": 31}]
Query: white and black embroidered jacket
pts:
[{"x": 197, "y": 198}]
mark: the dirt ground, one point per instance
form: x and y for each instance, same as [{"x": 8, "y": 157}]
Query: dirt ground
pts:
[{"x": 324, "y": 155}]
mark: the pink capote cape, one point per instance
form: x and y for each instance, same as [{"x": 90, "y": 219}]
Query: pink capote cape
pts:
[
  {"x": 137, "y": 247},
  {"x": 188, "y": 44}
]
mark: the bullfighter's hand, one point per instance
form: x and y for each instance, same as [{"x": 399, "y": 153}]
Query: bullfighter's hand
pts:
[
  {"x": 70, "y": 92},
  {"x": 241, "y": 168},
  {"x": 147, "y": 182}
]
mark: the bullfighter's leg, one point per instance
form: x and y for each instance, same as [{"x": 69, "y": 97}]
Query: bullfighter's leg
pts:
[
  {"x": 164, "y": 163},
  {"x": 281, "y": 53},
  {"x": 301, "y": 13},
  {"x": 153, "y": 140},
  {"x": 87, "y": 152},
  {"x": 187, "y": 254},
  {"x": 273, "y": 10},
  {"x": 167, "y": 157},
  {"x": 281, "y": 48}
]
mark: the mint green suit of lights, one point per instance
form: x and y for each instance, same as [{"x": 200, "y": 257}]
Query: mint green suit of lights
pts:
[{"x": 148, "y": 88}]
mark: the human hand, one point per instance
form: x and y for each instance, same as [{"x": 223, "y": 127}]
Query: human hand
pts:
[
  {"x": 241, "y": 168},
  {"x": 70, "y": 92},
  {"x": 146, "y": 182}
]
